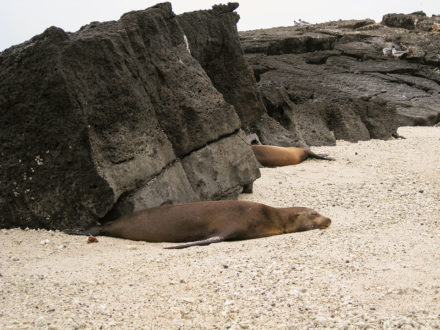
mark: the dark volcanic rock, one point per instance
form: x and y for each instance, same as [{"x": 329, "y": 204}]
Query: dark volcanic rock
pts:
[
  {"x": 272, "y": 132},
  {"x": 414, "y": 21},
  {"x": 332, "y": 80},
  {"x": 222, "y": 58},
  {"x": 116, "y": 113},
  {"x": 402, "y": 21}
]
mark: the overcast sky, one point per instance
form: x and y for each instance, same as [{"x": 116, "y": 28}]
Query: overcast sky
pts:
[{"x": 22, "y": 19}]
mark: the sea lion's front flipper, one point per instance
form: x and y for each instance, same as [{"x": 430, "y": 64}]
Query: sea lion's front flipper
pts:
[{"x": 214, "y": 239}]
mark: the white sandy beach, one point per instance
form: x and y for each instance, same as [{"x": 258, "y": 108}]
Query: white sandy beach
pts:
[{"x": 377, "y": 265}]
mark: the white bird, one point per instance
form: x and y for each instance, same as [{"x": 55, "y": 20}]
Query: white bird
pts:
[
  {"x": 387, "y": 51},
  {"x": 301, "y": 22},
  {"x": 398, "y": 53},
  {"x": 304, "y": 22}
]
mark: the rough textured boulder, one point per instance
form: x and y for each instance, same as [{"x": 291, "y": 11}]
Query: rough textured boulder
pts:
[
  {"x": 332, "y": 81},
  {"x": 222, "y": 59},
  {"x": 414, "y": 21},
  {"x": 113, "y": 118}
]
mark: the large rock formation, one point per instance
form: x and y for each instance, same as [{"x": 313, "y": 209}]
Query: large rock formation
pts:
[
  {"x": 332, "y": 81},
  {"x": 154, "y": 108},
  {"x": 113, "y": 118},
  {"x": 223, "y": 60},
  {"x": 415, "y": 21}
]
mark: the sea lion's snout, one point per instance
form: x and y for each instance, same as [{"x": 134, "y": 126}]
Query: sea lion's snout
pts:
[{"x": 326, "y": 222}]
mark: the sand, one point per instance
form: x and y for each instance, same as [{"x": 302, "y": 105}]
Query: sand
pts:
[{"x": 378, "y": 265}]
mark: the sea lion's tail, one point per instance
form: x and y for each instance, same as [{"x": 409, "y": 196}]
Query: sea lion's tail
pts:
[{"x": 319, "y": 156}]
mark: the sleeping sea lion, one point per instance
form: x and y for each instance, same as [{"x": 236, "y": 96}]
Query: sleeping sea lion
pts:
[
  {"x": 272, "y": 156},
  {"x": 203, "y": 223}
]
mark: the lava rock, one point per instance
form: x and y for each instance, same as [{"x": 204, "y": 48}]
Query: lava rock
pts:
[{"x": 110, "y": 115}]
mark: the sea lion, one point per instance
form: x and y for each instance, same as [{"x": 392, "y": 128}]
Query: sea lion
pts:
[
  {"x": 272, "y": 156},
  {"x": 203, "y": 223}
]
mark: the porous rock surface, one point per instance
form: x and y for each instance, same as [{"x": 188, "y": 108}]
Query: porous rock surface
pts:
[
  {"x": 113, "y": 118},
  {"x": 332, "y": 81},
  {"x": 222, "y": 59}
]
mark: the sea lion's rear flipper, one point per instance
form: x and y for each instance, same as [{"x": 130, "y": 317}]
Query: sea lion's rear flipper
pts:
[
  {"x": 214, "y": 239},
  {"x": 319, "y": 156}
]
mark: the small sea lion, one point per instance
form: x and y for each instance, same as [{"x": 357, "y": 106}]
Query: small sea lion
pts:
[
  {"x": 272, "y": 156},
  {"x": 203, "y": 223}
]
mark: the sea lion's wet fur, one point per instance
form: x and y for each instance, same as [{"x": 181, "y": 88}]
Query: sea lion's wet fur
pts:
[
  {"x": 203, "y": 223},
  {"x": 272, "y": 156}
]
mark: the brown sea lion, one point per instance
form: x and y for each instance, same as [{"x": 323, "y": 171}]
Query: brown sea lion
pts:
[
  {"x": 203, "y": 223},
  {"x": 272, "y": 156}
]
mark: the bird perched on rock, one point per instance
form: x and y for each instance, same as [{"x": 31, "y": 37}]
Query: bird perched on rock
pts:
[
  {"x": 398, "y": 53},
  {"x": 387, "y": 51},
  {"x": 301, "y": 23}
]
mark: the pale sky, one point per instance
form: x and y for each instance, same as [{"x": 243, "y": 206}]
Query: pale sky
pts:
[{"x": 20, "y": 20}]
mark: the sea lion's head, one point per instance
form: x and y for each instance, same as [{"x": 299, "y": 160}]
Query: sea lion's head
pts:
[{"x": 303, "y": 218}]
